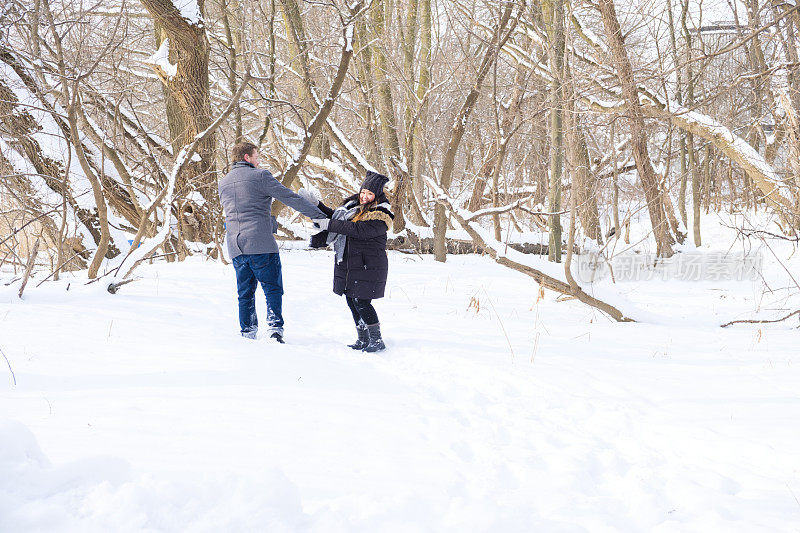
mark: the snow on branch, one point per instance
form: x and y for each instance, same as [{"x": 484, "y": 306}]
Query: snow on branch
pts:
[
  {"x": 139, "y": 253},
  {"x": 588, "y": 35},
  {"x": 350, "y": 150},
  {"x": 497, "y": 210},
  {"x": 737, "y": 149},
  {"x": 160, "y": 61},
  {"x": 776, "y": 192},
  {"x": 345, "y": 178},
  {"x": 325, "y": 107},
  {"x": 190, "y": 10}
]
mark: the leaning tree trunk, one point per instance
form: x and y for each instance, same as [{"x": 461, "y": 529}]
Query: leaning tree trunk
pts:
[
  {"x": 512, "y": 259},
  {"x": 233, "y": 40},
  {"x": 496, "y": 152},
  {"x": 499, "y": 38},
  {"x": 326, "y": 106},
  {"x": 299, "y": 49},
  {"x": 641, "y": 156}
]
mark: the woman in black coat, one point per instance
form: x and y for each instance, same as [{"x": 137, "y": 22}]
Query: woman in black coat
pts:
[{"x": 358, "y": 230}]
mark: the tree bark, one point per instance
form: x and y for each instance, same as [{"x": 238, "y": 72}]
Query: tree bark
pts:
[
  {"x": 233, "y": 44},
  {"x": 585, "y": 186},
  {"x": 679, "y": 99},
  {"x": 423, "y": 86},
  {"x": 641, "y": 156},
  {"x": 553, "y": 12},
  {"x": 190, "y": 88},
  {"x": 321, "y": 117},
  {"x": 499, "y": 38},
  {"x": 386, "y": 111}
]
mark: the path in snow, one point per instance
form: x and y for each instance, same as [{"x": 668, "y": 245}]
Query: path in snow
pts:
[{"x": 145, "y": 411}]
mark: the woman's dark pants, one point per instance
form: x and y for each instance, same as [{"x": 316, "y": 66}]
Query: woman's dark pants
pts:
[{"x": 362, "y": 311}]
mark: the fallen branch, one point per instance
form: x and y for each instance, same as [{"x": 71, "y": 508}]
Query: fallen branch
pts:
[
  {"x": 114, "y": 287},
  {"x": 495, "y": 250},
  {"x": 797, "y": 312},
  {"x": 759, "y": 232},
  {"x": 410, "y": 241}
]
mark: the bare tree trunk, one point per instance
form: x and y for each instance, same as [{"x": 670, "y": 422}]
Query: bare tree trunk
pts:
[
  {"x": 553, "y": 11},
  {"x": 584, "y": 185},
  {"x": 412, "y": 112},
  {"x": 510, "y": 115},
  {"x": 615, "y": 177},
  {"x": 423, "y": 86},
  {"x": 644, "y": 166},
  {"x": 298, "y": 45},
  {"x": 20, "y": 129},
  {"x": 789, "y": 39},
  {"x": 29, "y": 267},
  {"x": 691, "y": 153},
  {"x": 321, "y": 117},
  {"x": 670, "y": 212},
  {"x": 190, "y": 88},
  {"x": 679, "y": 99},
  {"x": 174, "y": 115},
  {"x": 268, "y": 125},
  {"x": 388, "y": 120},
  {"x": 696, "y": 197},
  {"x": 498, "y": 251},
  {"x": 499, "y": 38},
  {"x": 70, "y": 102},
  {"x": 708, "y": 185},
  {"x": 366, "y": 83},
  {"x": 233, "y": 44}
]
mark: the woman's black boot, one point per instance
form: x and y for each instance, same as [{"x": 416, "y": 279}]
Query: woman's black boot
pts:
[
  {"x": 363, "y": 337},
  {"x": 375, "y": 341}
]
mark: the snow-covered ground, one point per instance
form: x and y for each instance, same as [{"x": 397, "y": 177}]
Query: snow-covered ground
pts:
[{"x": 492, "y": 409}]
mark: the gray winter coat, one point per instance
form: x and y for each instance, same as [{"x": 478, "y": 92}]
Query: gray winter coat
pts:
[{"x": 246, "y": 193}]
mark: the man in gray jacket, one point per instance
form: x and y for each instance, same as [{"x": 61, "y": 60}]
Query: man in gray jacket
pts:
[{"x": 246, "y": 193}]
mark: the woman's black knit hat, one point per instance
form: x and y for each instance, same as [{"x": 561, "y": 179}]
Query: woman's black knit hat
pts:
[{"x": 375, "y": 182}]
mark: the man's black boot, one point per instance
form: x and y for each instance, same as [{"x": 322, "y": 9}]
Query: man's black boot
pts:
[
  {"x": 363, "y": 337},
  {"x": 278, "y": 337},
  {"x": 375, "y": 343}
]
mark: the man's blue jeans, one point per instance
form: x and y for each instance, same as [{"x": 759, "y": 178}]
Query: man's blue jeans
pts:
[{"x": 252, "y": 269}]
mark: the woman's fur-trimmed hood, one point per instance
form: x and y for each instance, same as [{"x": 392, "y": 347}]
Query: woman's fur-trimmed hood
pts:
[
  {"x": 382, "y": 211},
  {"x": 378, "y": 214}
]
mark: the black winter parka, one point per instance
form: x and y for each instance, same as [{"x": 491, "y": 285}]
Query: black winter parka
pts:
[{"x": 363, "y": 270}]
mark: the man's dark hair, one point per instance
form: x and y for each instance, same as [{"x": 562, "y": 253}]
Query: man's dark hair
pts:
[{"x": 241, "y": 149}]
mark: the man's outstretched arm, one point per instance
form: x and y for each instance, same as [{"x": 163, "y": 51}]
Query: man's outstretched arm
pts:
[{"x": 275, "y": 189}]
